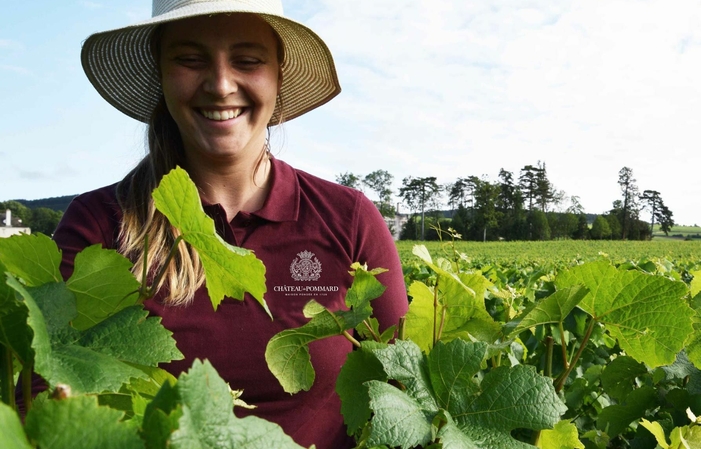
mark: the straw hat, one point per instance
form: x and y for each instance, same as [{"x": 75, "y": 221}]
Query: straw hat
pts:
[{"x": 120, "y": 65}]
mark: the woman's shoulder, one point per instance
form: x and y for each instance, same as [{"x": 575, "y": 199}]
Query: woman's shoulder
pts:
[{"x": 332, "y": 191}]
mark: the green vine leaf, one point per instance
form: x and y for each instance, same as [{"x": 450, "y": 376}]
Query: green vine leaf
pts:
[
  {"x": 14, "y": 331},
  {"x": 12, "y": 435},
  {"x": 553, "y": 309},
  {"x": 102, "y": 284},
  {"x": 460, "y": 299},
  {"x": 619, "y": 376},
  {"x": 287, "y": 353},
  {"x": 199, "y": 410},
  {"x": 444, "y": 384},
  {"x": 60, "y": 424},
  {"x": 95, "y": 360},
  {"x": 615, "y": 418},
  {"x": 399, "y": 419},
  {"x": 34, "y": 258},
  {"x": 647, "y": 314},
  {"x": 564, "y": 434},
  {"x": 361, "y": 366},
  {"x": 230, "y": 271}
]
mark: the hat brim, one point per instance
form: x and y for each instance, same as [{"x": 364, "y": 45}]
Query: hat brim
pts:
[{"x": 120, "y": 65}]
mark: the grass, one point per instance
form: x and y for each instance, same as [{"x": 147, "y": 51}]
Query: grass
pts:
[{"x": 563, "y": 251}]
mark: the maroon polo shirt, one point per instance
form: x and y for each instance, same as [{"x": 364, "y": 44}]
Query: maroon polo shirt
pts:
[{"x": 307, "y": 234}]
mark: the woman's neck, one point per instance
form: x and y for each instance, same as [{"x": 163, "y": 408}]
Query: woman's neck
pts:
[{"x": 240, "y": 185}]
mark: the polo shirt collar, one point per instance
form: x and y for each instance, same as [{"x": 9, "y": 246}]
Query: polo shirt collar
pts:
[
  {"x": 283, "y": 199},
  {"x": 282, "y": 203}
]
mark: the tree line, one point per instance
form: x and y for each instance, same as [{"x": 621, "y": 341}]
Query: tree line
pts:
[
  {"x": 514, "y": 207},
  {"x": 39, "y": 219}
]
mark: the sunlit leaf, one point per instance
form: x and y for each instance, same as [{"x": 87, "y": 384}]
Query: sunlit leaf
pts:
[{"x": 229, "y": 270}]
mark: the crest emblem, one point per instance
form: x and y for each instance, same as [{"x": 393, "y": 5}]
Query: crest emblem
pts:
[{"x": 305, "y": 267}]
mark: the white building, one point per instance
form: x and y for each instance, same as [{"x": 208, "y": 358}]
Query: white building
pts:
[{"x": 11, "y": 228}]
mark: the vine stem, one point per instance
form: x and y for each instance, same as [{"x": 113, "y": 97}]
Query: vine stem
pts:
[
  {"x": 350, "y": 338},
  {"x": 435, "y": 314},
  {"x": 372, "y": 332},
  {"x": 549, "y": 356},
  {"x": 564, "y": 346},
  {"x": 560, "y": 381},
  {"x": 401, "y": 331},
  {"x": 7, "y": 377}
]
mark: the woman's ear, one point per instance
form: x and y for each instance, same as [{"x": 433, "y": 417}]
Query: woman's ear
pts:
[{"x": 279, "y": 79}]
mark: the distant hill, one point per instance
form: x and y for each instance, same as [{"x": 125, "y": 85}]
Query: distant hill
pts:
[{"x": 57, "y": 203}]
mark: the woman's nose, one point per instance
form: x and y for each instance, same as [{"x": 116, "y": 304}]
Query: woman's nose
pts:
[{"x": 220, "y": 80}]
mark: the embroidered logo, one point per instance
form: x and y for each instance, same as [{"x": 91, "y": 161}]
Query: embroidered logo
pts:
[{"x": 306, "y": 267}]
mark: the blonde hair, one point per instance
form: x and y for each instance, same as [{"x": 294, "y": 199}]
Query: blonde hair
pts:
[{"x": 143, "y": 225}]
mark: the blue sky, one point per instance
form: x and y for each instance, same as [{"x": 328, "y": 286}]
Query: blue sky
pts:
[{"x": 443, "y": 88}]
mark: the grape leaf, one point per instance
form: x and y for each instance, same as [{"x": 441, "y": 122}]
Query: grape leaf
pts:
[
  {"x": 465, "y": 313},
  {"x": 563, "y": 435},
  {"x": 287, "y": 353},
  {"x": 230, "y": 271},
  {"x": 130, "y": 336},
  {"x": 618, "y": 377},
  {"x": 615, "y": 418},
  {"x": 419, "y": 319},
  {"x": 485, "y": 413},
  {"x": 61, "y": 424},
  {"x": 404, "y": 361},
  {"x": 695, "y": 285},
  {"x": 15, "y": 334},
  {"x": 647, "y": 314},
  {"x": 208, "y": 420},
  {"x": 399, "y": 419},
  {"x": 361, "y": 366},
  {"x": 91, "y": 361},
  {"x": 553, "y": 309},
  {"x": 452, "y": 368},
  {"x": 12, "y": 435},
  {"x": 102, "y": 284},
  {"x": 34, "y": 258}
]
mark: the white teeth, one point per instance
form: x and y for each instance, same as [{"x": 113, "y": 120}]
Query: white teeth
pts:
[{"x": 221, "y": 115}]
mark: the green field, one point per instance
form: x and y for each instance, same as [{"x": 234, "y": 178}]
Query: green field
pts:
[
  {"x": 567, "y": 252},
  {"x": 678, "y": 232}
]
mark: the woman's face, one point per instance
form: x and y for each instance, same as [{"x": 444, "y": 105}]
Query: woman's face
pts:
[{"x": 220, "y": 77}]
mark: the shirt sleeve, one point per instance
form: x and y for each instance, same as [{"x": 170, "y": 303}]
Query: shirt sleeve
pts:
[
  {"x": 376, "y": 248},
  {"x": 89, "y": 219}
]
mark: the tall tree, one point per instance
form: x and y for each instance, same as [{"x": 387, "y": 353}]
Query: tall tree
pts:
[
  {"x": 545, "y": 192},
  {"x": 380, "y": 182},
  {"x": 349, "y": 179},
  {"x": 528, "y": 182},
  {"x": 658, "y": 211},
  {"x": 629, "y": 192},
  {"x": 420, "y": 195},
  {"x": 486, "y": 214}
]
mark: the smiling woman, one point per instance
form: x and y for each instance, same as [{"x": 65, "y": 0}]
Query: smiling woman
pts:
[{"x": 210, "y": 78}]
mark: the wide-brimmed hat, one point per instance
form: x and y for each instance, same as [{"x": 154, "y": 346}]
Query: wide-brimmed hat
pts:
[{"x": 120, "y": 63}]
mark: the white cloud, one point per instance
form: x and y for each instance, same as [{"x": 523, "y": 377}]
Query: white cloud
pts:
[{"x": 447, "y": 89}]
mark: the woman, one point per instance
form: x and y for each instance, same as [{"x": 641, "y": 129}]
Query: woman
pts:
[{"x": 210, "y": 78}]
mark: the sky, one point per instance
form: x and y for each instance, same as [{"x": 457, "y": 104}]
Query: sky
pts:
[{"x": 444, "y": 88}]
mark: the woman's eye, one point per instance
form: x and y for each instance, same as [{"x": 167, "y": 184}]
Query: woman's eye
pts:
[
  {"x": 189, "y": 60},
  {"x": 247, "y": 63}
]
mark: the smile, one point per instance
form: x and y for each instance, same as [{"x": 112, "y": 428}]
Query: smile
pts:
[{"x": 222, "y": 115}]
